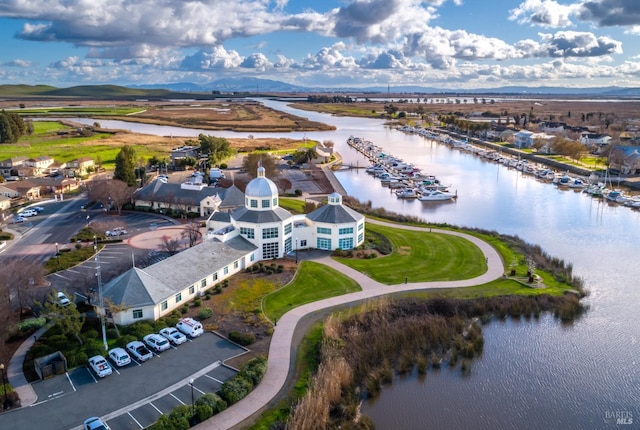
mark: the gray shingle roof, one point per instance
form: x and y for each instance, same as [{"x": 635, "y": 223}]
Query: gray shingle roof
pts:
[
  {"x": 334, "y": 214},
  {"x": 232, "y": 198},
  {"x": 158, "y": 282},
  {"x": 158, "y": 191},
  {"x": 277, "y": 214}
]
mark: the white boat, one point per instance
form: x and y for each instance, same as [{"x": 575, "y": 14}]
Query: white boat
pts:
[
  {"x": 577, "y": 183},
  {"x": 407, "y": 193},
  {"x": 436, "y": 195}
]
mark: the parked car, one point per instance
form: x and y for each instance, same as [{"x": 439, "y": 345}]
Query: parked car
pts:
[
  {"x": 19, "y": 219},
  {"x": 95, "y": 423},
  {"x": 63, "y": 300},
  {"x": 119, "y": 356},
  {"x": 190, "y": 327},
  {"x": 100, "y": 366},
  {"x": 118, "y": 231},
  {"x": 37, "y": 208},
  {"x": 156, "y": 342},
  {"x": 27, "y": 213},
  {"x": 173, "y": 335},
  {"x": 139, "y": 351}
]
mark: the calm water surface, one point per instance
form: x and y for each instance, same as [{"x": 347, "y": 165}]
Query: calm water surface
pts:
[{"x": 533, "y": 374}]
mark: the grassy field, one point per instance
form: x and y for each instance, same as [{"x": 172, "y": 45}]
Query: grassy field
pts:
[
  {"x": 313, "y": 282},
  {"x": 78, "y": 111},
  {"x": 421, "y": 257}
]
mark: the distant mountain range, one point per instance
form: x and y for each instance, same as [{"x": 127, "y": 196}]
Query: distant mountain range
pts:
[{"x": 257, "y": 86}]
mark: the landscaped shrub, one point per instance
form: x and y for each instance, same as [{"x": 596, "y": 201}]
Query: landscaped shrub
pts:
[
  {"x": 197, "y": 302},
  {"x": 243, "y": 339},
  {"x": 184, "y": 309},
  {"x": 218, "y": 289},
  {"x": 212, "y": 400},
  {"x": 178, "y": 419},
  {"x": 254, "y": 370},
  {"x": 31, "y": 324},
  {"x": 172, "y": 320},
  {"x": 207, "y": 296},
  {"x": 235, "y": 389},
  {"x": 57, "y": 341},
  {"x": 124, "y": 340},
  {"x": 203, "y": 412},
  {"x": 112, "y": 333},
  {"x": 204, "y": 313},
  {"x": 140, "y": 329}
]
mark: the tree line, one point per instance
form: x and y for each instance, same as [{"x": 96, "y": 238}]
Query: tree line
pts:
[{"x": 13, "y": 127}]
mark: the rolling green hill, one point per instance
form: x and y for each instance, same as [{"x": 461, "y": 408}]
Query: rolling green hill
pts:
[{"x": 91, "y": 92}]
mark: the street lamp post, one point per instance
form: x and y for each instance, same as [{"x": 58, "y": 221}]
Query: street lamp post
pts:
[
  {"x": 4, "y": 386},
  {"x": 57, "y": 254},
  {"x": 296, "y": 251},
  {"x": 193, "y": 406}
]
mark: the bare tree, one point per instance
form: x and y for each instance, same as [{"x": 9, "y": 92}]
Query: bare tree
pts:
[
  {"x": 192, "y": 233},
  {"x": 21, "y": 281},
  {"x": 112, "y": 309},
  {"x": 169, "y": 245},
  {"x": 110, "y": 192}
]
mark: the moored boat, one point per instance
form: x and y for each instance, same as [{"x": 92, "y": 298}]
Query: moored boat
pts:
[{"x": 436, "y": 195}]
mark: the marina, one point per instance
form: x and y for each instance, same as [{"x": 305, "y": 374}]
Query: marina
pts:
[{"x": 408, "y": 180}]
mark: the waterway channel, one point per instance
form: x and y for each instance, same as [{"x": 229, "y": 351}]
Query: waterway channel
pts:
[{"x": 533, "y": 374}]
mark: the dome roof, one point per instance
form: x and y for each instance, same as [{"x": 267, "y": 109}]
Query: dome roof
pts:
[{"x": 261, "y": 186}]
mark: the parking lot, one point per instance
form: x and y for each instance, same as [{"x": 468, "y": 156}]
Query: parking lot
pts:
[{"x": 133, "y": 396}]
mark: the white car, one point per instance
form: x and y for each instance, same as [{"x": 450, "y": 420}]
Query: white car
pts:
[
  {"x": 156, "y": 342},
  {"x": 19, "y": 219},
  {"x": 139, "y": 350},
  {"x": 100, "y": 366},
  {"x": 173, "y": 335},
  {"x": 63, "y": 300},
  {"x": 118, "y": 231},
  {"x": 190, "y": 327},
  {"x": 37, "y": 208},
  {"x": 119, "y": 356},
  {"x": 27, "y": 213}
]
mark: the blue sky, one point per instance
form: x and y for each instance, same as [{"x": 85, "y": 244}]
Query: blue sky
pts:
[{"x": 445, "y": 44}]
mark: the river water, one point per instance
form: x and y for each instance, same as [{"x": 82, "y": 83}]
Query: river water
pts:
[{"x": 533, "y": 374}]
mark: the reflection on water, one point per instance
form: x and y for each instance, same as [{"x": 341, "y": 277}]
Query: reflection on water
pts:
[{"x": 532, "y": 374}]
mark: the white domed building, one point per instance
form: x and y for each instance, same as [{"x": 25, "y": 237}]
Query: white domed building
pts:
[{"x": 276, "y": 232}]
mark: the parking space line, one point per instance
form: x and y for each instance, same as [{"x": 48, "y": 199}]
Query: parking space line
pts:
[
  {"x": 214, "y": 379},
  {"x": 72, "y": 271},
  {"x": 60, "y": 276},
  {"x": 70, "y": 381},
  {"x": 181, "y": 402},
  {"x": 91, "y": 373},
  {"x": 154, "y": 407},
  {"x": 199, "y": 390},
  {"x": 135, "y": 420}
]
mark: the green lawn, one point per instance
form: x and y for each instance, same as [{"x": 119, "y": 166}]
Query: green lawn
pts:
[
  {"x": 64, "y": 148},
  {"x": 313, "y": 282},
  {"x": 421, "y": 257},
  {"x": 292, "y": 205}
]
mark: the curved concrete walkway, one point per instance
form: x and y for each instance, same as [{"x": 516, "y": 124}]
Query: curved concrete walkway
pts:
[{"x": 281, "y": 342}]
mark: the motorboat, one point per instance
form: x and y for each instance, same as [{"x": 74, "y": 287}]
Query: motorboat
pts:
[
  {"x": 407, "y": 193},
  {"x": 436, "y": 195}
]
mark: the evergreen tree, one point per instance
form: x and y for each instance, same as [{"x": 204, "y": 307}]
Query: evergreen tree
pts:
[
  {"x": 6, "y": 134},
  {"x": 125, "y": 166}
]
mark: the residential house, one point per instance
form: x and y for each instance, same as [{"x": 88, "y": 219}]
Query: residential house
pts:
[
  {"x": 626, "y": 159},
  {"x": 9, "y": 167},
  {"x": 79, "y": 167},
  {"x": 5, "y": 204},
  {"x": 525, "y": 138},
  {"x": 56, "y": 185},
  {"x": 594, "y": 139},
  {"x": 552, "y": 127},
  {"x": 40, "y": 165},
  {"x": 26, "y": 190},
  {"x": 178, "y": 155}
]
